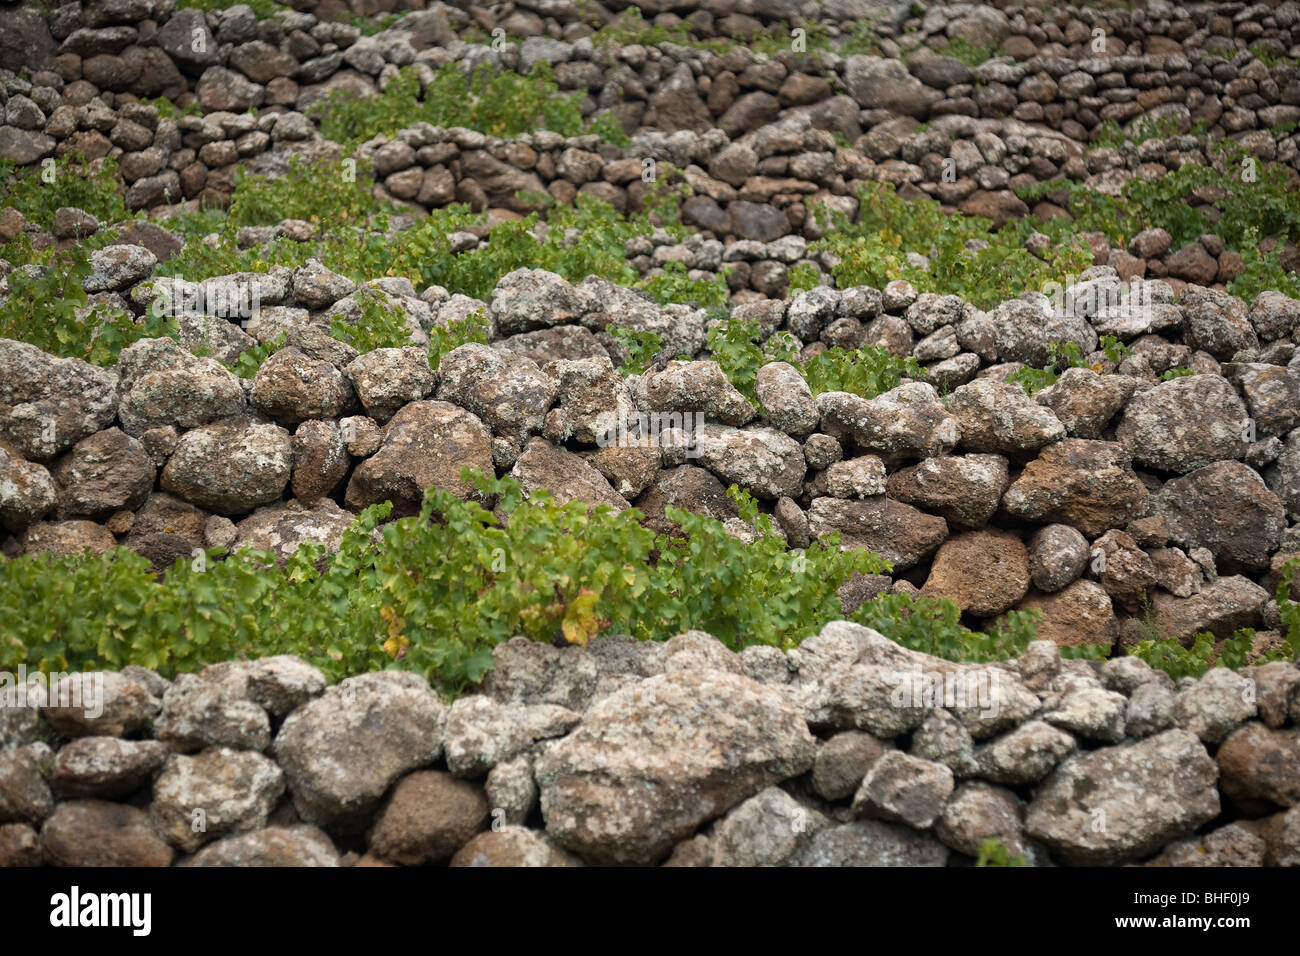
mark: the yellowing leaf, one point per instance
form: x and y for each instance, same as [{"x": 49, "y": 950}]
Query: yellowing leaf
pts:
[
  {"x": 397, "y": 644},
  {"x": 580, "y": 621}
]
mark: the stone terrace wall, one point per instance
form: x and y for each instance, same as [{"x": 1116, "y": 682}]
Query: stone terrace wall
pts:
[
  {"x": 848, "y": 751},
  {"x": 754, "y": 135},
  {"x": 1187, "y": 489},
  {"x": 99, "y": 57}
]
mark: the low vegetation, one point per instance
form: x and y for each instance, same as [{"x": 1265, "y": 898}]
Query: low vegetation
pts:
[{"x": 966, "y": 255}]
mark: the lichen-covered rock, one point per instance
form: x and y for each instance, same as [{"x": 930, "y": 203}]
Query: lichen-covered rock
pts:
[
  {"x": 1216, "y": 322},
  {"x": 1024, "y": 755},
  {"x": 1233, "y": 845},
  {"x": 281, "y": 529},
  {"x": 528, "y": 299},
  {"x": 964, "y": 489},
  {"x": 99, "y": 704},
  {"x": 1150, "y": 710},
  {"x": 320, "y": 459},
  {"x": 999, "y": 418},
  {"x": 1121, "y": 803},
  {"x": 768, "y": 829},
  {"x": 1276, "y": 684},
  {"x": 862, "y": 477},
  {"x": 544, "y": 466},
  {"x": 425, "y": 445},
  {"x": 24, "y": 792},
  {"x": 697, "y": 387},
  {"x": 513, "y": 846},
  {"x": 1184, "y": 424},
  {"x": 218, "y": 792},
  {"x": 277, "y": 846},
  {"x": 508, "y": 392},
  {"x": 230, "y": 467},
  {"x": 212, "y": 710},
  {"x": 1221, "y": 607},
  {"x": 904, "y": 789},
  {"x": 897, "y": 532},
  {"x": 629, "y": 782},
  {"x": 1086, "y": 402},
  {"x": 1227, "y": 508},
  {"x": 1023, "y": 332},
  {"x": 482, "y": 732},
  {"x": 681, "y": 327},
  {"x": 317, "y": 287},
  {"x": 106, "y": 472},
  {"x": 427, "y": 818},
  {"x": 786, "y": 399},
  {"x": 1273, "y": 315},
  {"x": 162, "y": 384},
  {"x": 1260, "y": 768},
  {"x": 27, "y": 492},
  {"x": 1078, "y": 615},
  {"x": 1057, "y": 555},
  {"x": 387, "y": 379},
  {"x": 850, "y": 676},
  {"x": 980, "y": 811},
  {"x": 291, "y": 387},
  {"x": 906, "y": 422},
  {"x": 842, "y": 763},
  {"x": 1124, "y": 570},
  {"x": 98, "y": 833},
  {"x": 342, "y": 751},
  {"x": 593, "y": 399},
  {"x": 48, "y": 404},
  {"x": 765, "y": 462},
  {"x": 872, "y": 843},
  {"x": 1272, "y": 395},
  {"x": 118, "y": 266},
  {"x": 106, "y": 767},
  {"x": 1093, "y": 713},
  {"x": 1216, "y": 705}
]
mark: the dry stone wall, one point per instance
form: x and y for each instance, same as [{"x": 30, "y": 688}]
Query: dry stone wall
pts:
[
  {"x": 1116, "y": 501},
  {"x": 848, "y": 751}
]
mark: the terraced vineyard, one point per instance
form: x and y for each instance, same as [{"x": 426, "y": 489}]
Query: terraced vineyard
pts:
[{"x": 845, "y": 433}]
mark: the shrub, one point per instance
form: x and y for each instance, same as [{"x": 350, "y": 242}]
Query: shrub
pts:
[
  {"x": 381, "y": 326},
  {"x": 676, "y": 286},
  {"x": 434, "y": 592},
  {"x": 446, "y": 338},
  {"x": 42, "y": 311},
  {"x": 968, "y": 53},
  {"x": 967, "y": 256},
  {"x": 1233, "y": 652},
  {"x": 641, "y": 348},
  {"x": 93, "y": 187},
  {"x": 993, "y": 852},
  {"x": 733, "y": 344},
  {"x": 1255, "y": 200},
  {"x": 262, "y": 9},
  {"x": 866, "y": 371},
  {"x": 250, "y": 360},
  {"x": 1060, "y": 356},
  {"x": 501, "y": 104},
  {"x": 933, "y": 626}
]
